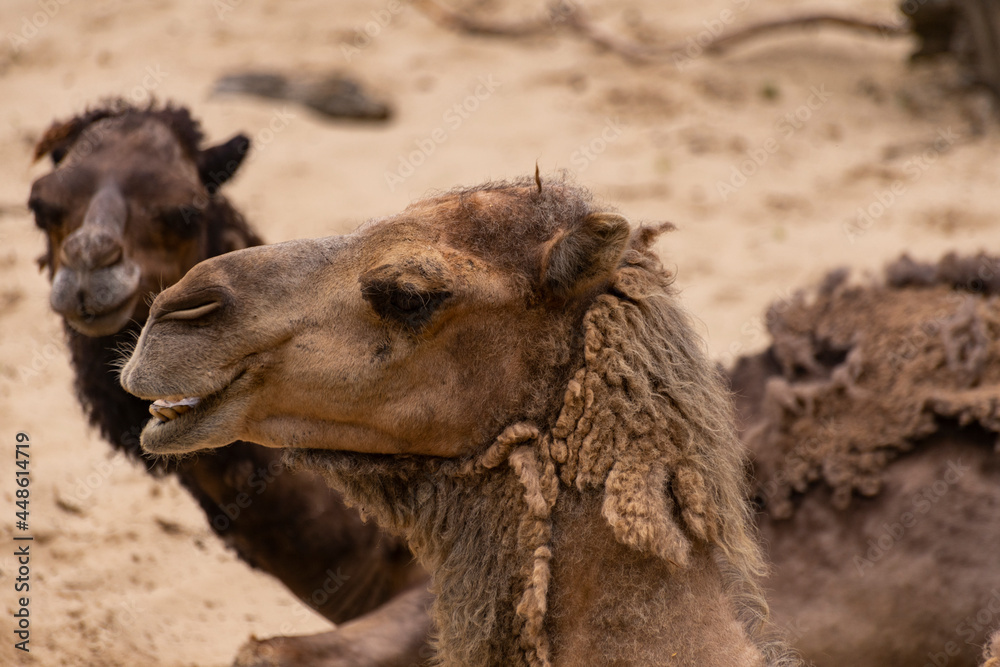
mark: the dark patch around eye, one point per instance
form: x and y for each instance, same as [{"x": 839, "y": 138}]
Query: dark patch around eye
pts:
[
  {"x": 184, "y": 221},
  {"x": 403, "y": 303},
  {"x": 46, "y": 215}
]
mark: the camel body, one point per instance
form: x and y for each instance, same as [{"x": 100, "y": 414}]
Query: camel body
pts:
[{"x": 872, "y": 423}]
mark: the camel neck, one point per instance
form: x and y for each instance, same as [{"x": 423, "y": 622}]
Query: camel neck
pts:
[
  {"x": 609, "y": 604},
  {"x": 571, "y": 594}
]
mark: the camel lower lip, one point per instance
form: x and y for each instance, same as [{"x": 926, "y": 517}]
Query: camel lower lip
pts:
[{"x": 104, "y": 323}]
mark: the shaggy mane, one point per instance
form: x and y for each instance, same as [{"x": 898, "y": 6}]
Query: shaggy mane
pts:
[
  {"x": 644, "y": 423},
  {"x": 859, "y": 373}
]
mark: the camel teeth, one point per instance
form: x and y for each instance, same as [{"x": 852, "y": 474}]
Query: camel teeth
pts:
[
  {"x": 175, "y": 401},
  {"x": 164, "y": 414},
  {"x": 167, "y": 409}
]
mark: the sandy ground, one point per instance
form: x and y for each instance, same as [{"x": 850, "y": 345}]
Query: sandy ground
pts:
[{"x": 124, "y": 570}]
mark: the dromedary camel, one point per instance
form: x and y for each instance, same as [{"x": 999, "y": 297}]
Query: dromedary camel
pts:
[
  {"x": 873, "y": 421},
  {"x": 503, "y": 375},
  {"x": 131, "y": 204}
]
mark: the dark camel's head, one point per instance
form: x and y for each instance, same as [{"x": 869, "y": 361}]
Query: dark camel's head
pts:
[
  {"x": 424, "y": 333},
  {"x": 126, "y": 209}
]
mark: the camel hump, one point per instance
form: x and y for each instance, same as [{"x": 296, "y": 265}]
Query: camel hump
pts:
[{"x": 858, "y": 373}]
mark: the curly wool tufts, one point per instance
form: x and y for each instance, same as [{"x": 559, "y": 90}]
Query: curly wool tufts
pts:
[{"x": 859, "y": 373}]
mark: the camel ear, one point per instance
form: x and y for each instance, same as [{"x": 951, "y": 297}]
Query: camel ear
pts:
[
  {"x": 575, "y": 261},
  {"x": 57, "y": 140},
  {"x": 217, "y": 164}
]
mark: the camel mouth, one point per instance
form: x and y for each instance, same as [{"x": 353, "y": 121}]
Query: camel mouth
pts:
[
  {"x": 105, "y": 323},
  {"x": 172, "y": 407},
  {"x": 183, "y": 423}
]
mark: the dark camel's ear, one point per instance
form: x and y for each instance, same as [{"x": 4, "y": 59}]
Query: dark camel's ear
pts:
[
  {"x": 57, "y": 140},
  {"x": 217, "y": 164},
  {"x": 577, "y": 260}
]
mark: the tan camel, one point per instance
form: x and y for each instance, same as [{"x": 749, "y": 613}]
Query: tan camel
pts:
[
  {"x": 130, "y": 205},
  {"x": 503, "y": 375}
]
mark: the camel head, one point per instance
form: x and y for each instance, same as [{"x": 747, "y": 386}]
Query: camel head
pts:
[
  {"x": 424, "y": 333},
  {"x": 127, "y": 209}
]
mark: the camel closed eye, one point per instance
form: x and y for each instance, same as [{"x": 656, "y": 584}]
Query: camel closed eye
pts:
[
  {"x": 403, "y": 303},
  {"x": 193, "y": 313}
]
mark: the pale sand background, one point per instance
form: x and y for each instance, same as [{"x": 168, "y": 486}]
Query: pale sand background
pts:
[{"x": 124, "y": 569}]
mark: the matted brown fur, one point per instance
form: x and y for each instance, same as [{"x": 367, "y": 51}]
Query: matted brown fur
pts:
[
  {"x": 862, "y": 371},
  {"x": 644, "y": 426}
]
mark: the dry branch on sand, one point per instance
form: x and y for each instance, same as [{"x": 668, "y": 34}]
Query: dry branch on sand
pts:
[
  {"x": 572, "y": 18},
  {"x": 966, "y": 29}
]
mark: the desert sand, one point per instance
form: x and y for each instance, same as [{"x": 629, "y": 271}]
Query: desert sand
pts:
[{"x": 763, "y": 159}]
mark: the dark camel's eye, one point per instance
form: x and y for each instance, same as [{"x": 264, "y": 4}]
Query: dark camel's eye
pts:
[
  {"x": 403, "y": 303},
  {"x": 407, "y": 302},
  {"x": 46, "y": 215}
]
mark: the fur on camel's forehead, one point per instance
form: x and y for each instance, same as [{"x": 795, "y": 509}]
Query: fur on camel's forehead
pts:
[
  {"x": 118, "y": 118},
  {"x": 505, "y": 223}
]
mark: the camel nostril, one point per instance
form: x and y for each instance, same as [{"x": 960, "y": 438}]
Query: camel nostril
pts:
[
  {"x": 108, "y": 256},
  {"x": 193, "y": 313},
  {"x": 90, "y": 252}
]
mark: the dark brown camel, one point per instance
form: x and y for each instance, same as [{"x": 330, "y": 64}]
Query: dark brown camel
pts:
[
  {"x": 873, "y": 420},
  {"x": 131, "y": 204}
]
